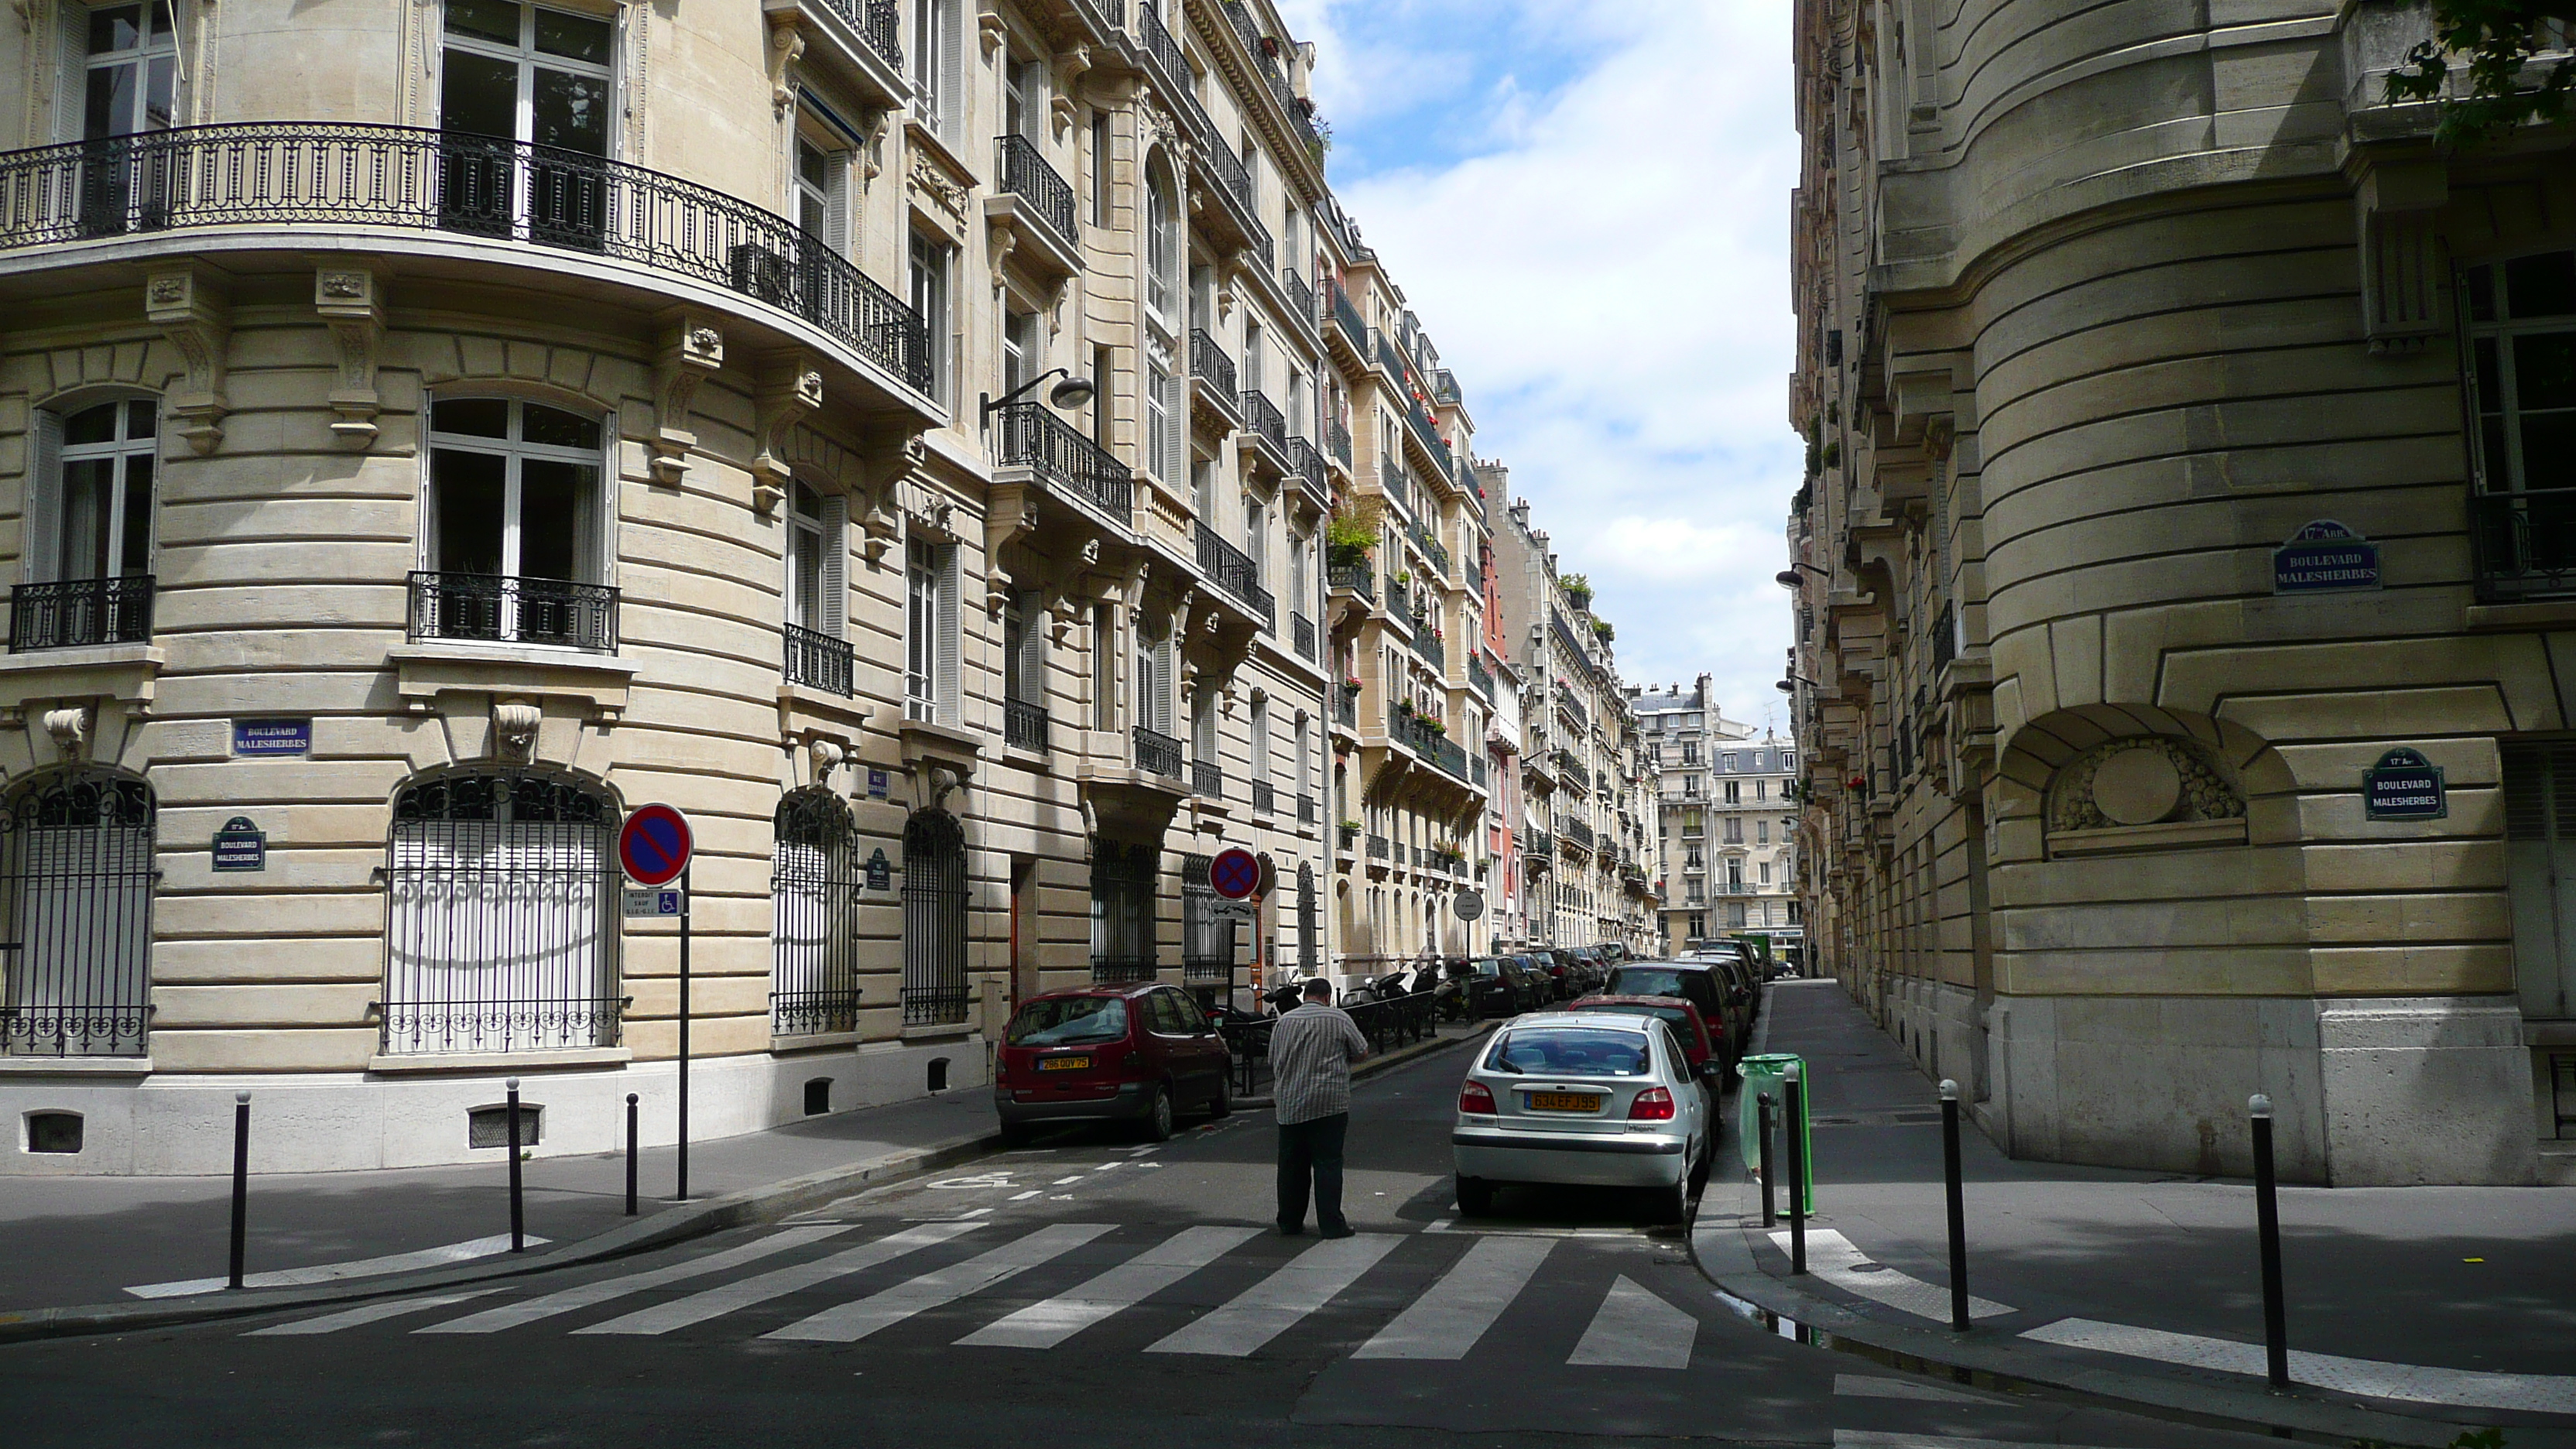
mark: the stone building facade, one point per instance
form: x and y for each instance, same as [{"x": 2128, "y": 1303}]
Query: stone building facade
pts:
[
  {"x": 897, "y": 433},
  {"x": 1729, "y": 819},
  {"x": 2185, "y": 452}
]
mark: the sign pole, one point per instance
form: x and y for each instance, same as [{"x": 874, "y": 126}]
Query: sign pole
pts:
[{"x": 684, "y": 1036}]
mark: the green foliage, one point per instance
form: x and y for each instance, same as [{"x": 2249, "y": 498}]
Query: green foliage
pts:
[
  {"x": 1349, "y": 538},
  {"x": 1579, "y": 589},
  {"x": 1602, "y": 627},
  {"x": 2497, "y": 39}
]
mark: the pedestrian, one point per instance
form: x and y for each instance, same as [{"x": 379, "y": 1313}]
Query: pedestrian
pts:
[{"x": 1311, "y": 1051}]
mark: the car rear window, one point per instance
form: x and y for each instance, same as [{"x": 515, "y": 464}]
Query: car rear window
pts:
[
  {"x": 1065, "y": 1020},
  {"x": 1570, "y": 1051},
  {"x": 1647, "y": 981},
  {"x": 1680, "y": 1017},
  {"x": 1486, "y": 966}
]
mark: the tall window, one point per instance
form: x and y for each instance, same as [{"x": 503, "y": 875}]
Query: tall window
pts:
[
  {"x": 930, "y": 632},
  {"x": 1104, "y": 668},
  {"x": 934, "y": 918},
  {"x": 527, "y": 74},
  {"x": 131, "y": 83},
  {"x": 97, "y": 521},
  {"x": 1122, "y": 911},
  {"x": 512, "y": 547},
  {"x": 1256, "y": 539},
  {"x": 815, "y": 577},
  {"x": 1162, "y": 436},
  {"x": 1101, "y": 174},
  {"x": 1024, "y": 649},
  {"x": 2522, "y": 342},
  {"x": 1252, "y": 350},
  {"x": 1153, "y": 703},
  {"x": 813, "y": 887},
  {"x": 930, "y": 299},
  {"x": 1261, "y": 741},
  {"x": 76, "y": 880},
  {"x": 935, "y": 53},
  {"x": 1020, "y": 348},
  {"x": 1101, "y": 408},
  {"x": 1162, "y": 248},
  {"x": 822, "y": 196}
]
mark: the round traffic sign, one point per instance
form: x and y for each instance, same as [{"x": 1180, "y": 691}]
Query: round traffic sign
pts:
[
  {"x": 1469, "y": 905},
  {"x": 1235, "y": 873},
  {"x": 654, "y": 845}
]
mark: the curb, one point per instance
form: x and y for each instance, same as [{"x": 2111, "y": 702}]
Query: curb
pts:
[
  {"x": 765, "y": 1203},
  {"x": 1721, "y": 1250}
]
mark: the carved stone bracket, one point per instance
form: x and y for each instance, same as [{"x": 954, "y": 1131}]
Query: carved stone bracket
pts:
[
  {"x": 1070, "y": 67},
  {"x": 791, "y": 388},
  {"x": 786, "y": 45},
  {"x": 692, "y": 352},
  {"x": 70, "y": 727},
  {"x": 879, "y": 518},
  {"x": 994, "y": 30},
  {"x": 351, "y": 301},
  {"x": 515, "y": 723},
  {"x": 195, "y": 315}
]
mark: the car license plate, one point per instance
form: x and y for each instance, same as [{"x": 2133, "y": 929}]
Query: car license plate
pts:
[
  {"x": 1565, "y": 1101},
  {"x": 1064, "y": 1064}
]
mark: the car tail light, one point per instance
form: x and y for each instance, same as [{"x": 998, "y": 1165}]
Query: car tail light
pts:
[
  {"x": 1474, "y": 1097},
  {"x": 1652, "y": 1105}
]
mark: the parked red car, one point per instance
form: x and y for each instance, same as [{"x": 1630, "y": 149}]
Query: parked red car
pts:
[
  {"x": 1699, "y": 1048},
  {"x": 1138, "y": 1054}
]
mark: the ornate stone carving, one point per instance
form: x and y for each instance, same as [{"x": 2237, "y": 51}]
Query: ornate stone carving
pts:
[
  {"x": 1070, "y": 67},
  {"x": 823, "y": 757},
  {"x": 194, "y": 314},
  {"x": 692, "y": 352},
  {"x": 70, "y": 729},
  {"x": 932, "y": 180},
  {"x": 786, "y": 45},
  {"x": 791, "y": 388},
  {"x": 514, "y": 731},
  {"x": 2143, "y": 780},
  {"x": 351, "y": 303}
]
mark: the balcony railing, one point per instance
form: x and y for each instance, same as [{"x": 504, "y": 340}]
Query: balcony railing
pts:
[
  {"x": 506, "y": 610},
  {"x": 1575, "y": 830},
  {"x": 2524, "y": 543},
  {"x": 818, "y": 661},
  {"x": 1237, "y": 181},
  {"x": 77, "y": 613},
  {"x": 1479, "y": 678},
  {"x": 1032, "y": 436},
  {"x": 1308, "y": 465},
  {"x": 1346, "y": 705},
  {"x": 1540, "y": 843},
  {"x": 1303, "y": 630},
  {"x": 1207, "y": 778},
  {"x": 1359, "y": 578},
  {"x": 878, "y": 22},
  {"x": 1262, "y": 419},
  {"x": 1390, "y": 478},
  {"x": 1160, "y": 45},
  {"x": 1377, "y": 847},
  {"x": 1399, "y": 599},
  {"x": 1025, "y": 173},
  {"x": 1120, "y": 970},
  {"x": 1025, "y": 726},
  {"x": 1346, "y": 315},
  {"x": 1157, "y": 754},
  {"x": 1301, "y": 298},
  {"x": 1306, "y": 811},
  {"x": 1338, "y": 439},
  {"x": 1431, "y": 547},
  {"x": 1233, "y": 570},
  {"x": 1426, "y": 642},
  {"x": 270, "y": 175},
  {"x": 1209, "y": 364},
  {"x": 1265, "y": 798}
]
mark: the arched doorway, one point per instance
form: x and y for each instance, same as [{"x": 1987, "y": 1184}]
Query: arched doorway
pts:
[
  {"x": 934, "y": 919},
  {"x": 813, "y": 889},
  {"x": 497, "y": 928},
  {"x": 76, "y": 877}
]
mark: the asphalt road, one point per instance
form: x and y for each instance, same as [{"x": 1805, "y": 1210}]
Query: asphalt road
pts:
[{"x": 1086, "y": 1291}]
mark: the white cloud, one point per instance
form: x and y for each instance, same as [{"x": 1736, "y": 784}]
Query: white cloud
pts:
[{"x": 1606, "y": 270}]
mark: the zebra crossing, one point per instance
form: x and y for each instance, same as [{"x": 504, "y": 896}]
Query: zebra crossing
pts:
[{"x": 1444, "y": 1297}]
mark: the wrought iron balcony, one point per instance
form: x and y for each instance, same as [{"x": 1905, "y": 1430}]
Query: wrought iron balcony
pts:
[
  {"x": 1359, "y": 578},
  {"x": 1303, "y": 630},
  {"x": 1025, "y": 173},
  {"x": 1346, "y": 705},
  {"x": 1210, "y": 365},
  {"x": 1263, "y": 420},
  {"x": 1541, "y": 843},
  {"x": 1378, "y": 849},
  {"x": 2524, "y": 543},
  {"x": 1025, "y": 726},
  {"x": 1032, "y": 436},
  {"x": 1427, "y": 643},
  {"x": 1338, "y": 439},
  {"x": 1431, "y": 547},
  {"x": 804, "y": 1013},
  {"x": 1479, "y": 678},
  {"x": 933, "y": 1005},
  {"x": 1399, "y": 599},
  {"x": 1575, "y": 831},
  {"x": 506, "y": 610},
  {"x": 1346, "y": 315},
  {"x": 277, "y": 175},
  {"x": 878, "y": 22},
  {"x": 1301, "y": 298},
  {"x": 1233, "y": 570},
  {"x": 78, "y": 613},
  {"x": 1265, "y": 798},
  {"x": 1120, "y": 970},
  {"x": 1308, "y": 465},
  {"x": 1161, "y": 47},
  {"x": 1157, "y": 754},
  {"x": 1207, "y": 778},
  {"x": 818, "y": 661},
  {"x": 1390, "y": 478}
]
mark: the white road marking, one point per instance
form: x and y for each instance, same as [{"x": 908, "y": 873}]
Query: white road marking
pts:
[
  {"x": 1453, "y": 1225},
  {"x": 1882, "y": 1439},
  {"x": 1446, "y": 1322},
  {"x": 1272, "y": 1306},
  {"x": 851, "y": 1322},
  {"x": 463, "y": 1252},
  {"x": 370, "y": 1313},
  {"x": 2412, "y": 1383},
  {"x": 1636, "y": 1329},
  {"x": 1044, "y": 1325},
  {"x": 1061, "y": 1181},
  {"x": 1025, "y": 1196},
  {"x": 1832, "y": 1257},
  {"x": 586, "y": 1295},
  {"x": 779, "y": 1282},
  {"x": 1858, "y": 1386}
]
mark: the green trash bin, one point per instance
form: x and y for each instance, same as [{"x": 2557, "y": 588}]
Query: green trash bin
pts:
[{"x": 1769, "y": 1072}]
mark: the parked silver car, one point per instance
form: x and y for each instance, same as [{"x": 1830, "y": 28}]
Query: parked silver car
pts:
[{"x": 1596, "y": 1099}]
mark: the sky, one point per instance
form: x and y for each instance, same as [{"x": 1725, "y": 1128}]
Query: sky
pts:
[{"x": 1587, "y": 204}]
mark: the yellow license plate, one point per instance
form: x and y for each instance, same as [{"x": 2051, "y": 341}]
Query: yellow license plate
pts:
[
  {"x": 1064, "y": 1064},
  {"x": 1565, "y": 1101}
]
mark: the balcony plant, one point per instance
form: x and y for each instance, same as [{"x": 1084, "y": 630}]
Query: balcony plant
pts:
[
  {"x": 1603, "y": 628},
  {"x": 1349, "y": 538},
  {"x": 1578, "y": 589}
]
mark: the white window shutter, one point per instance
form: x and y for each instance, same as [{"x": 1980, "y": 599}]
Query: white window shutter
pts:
[
  {"x": 1033, "y": 649},
  {"x": 42, "y": 499},
  {"x": 945, "y": 686},
  {"x": 835, "y": 571},
  {"x": 836, "y": 206},
  {"x": 952, "y": 71},
  {"x": 71, "y": 87}
]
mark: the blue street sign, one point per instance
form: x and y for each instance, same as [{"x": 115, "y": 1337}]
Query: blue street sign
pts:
[
  {"x": 2323, "y": 557},
  {"x": 256, "y": 737},
  {"x": 240, "y": 845}
]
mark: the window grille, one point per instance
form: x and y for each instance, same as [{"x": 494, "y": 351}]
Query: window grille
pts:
[
  {"x": 813, "y": 891},
  {"x": 76, "y": 882},
  {"x": 934, "y": 919}
]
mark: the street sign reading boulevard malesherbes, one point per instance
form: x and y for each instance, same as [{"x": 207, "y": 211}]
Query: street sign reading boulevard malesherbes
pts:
[{"x": 654, "y": 845}]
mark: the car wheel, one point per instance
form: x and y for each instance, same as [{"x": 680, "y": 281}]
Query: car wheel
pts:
[
  {"x": 1672, "y": 1204},
  {"x": 1698, "y": 1175},
  {"x": 1015, "y": 1135},
  {"x": 1475, "y": 1197},
  {"x": 1158, "y": 1115},
  {"x": 1221, "y": 1102}
]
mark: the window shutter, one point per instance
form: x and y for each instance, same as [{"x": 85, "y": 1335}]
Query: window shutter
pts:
[
  {"x": 1033, "y": 649},
  {"x": 944, "y": 685},
  {"x": 952, "y": 72},
  {"x": 71, "y": 86},
  {"x": 835, "y": 570},
  {"x": 42, "y": 497}
]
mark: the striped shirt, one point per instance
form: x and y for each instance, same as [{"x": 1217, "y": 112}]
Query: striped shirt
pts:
[{"x": 1311, "y": 1051}]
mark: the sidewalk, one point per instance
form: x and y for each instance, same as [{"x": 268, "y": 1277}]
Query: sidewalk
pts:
[{"x": 2445, "y": 1287}]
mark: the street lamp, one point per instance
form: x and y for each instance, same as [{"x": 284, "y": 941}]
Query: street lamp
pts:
[
  {"x": 1790, "y": 684},
  {"x": 1073, "y": 392},
  {"x": 1788, "y": 578}
]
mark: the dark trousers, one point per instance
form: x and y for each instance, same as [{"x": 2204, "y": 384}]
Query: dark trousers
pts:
[{"x": 1312, "y": 1151}]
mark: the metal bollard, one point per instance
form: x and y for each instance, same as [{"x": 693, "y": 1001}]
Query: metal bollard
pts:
[
  {"x": 1797, "y": 1174},
  {"x": 518, "y": 1223},
  {"x": 630, "y": 1154},
  {"x": 1770, "y": 1187},
  {"x": 241, "y": 1183},
  {"x": 2267, "y": 1219},
  {"x": 1958, "y": 1206}
]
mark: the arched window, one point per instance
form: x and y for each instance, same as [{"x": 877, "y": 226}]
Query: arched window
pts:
[
  {"x": 89, "y": 528},
  {"x": 934, "y": 918},
  {"x": 511, "y": 537},
  {"x": 498, "y": 934},
  {"x": 1162, "y": 245},
  {"x": 813, "y": 890},
  {"x": 76, "y": 876}
]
